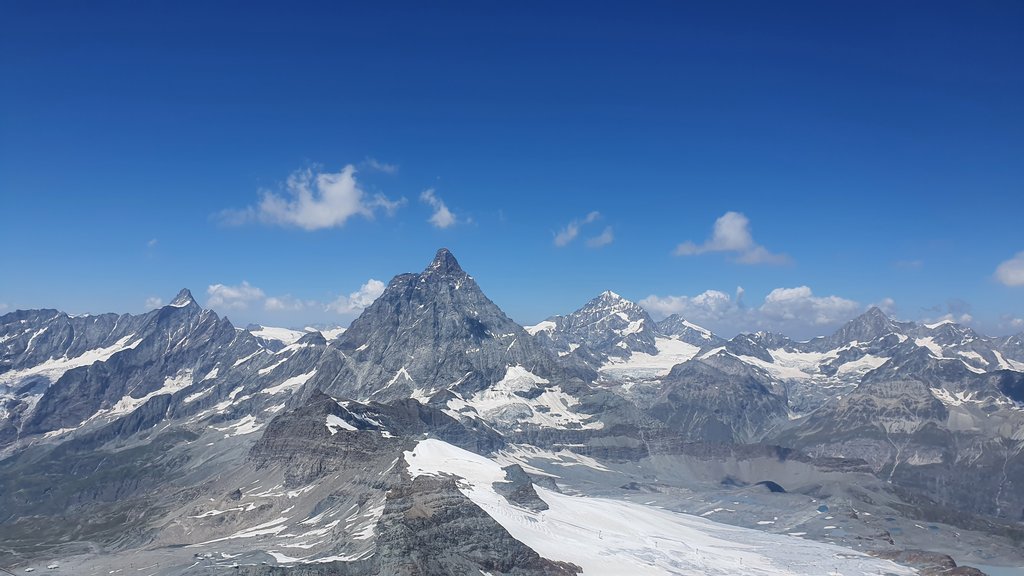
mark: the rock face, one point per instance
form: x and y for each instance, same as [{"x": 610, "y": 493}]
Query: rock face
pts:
[
  {"x": 433, "y": 333},
  {"x": 94, "y": 365},
  {"x": 718, "y": 399},
  {"x": 174, "y": 429},
  {"x": 607, "y": 326},
  {"x": 429, "y": 527},
  {"x": 676, "y": 326}
]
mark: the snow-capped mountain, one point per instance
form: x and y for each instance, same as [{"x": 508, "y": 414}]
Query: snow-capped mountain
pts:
[
  {"x": 675, "y": 326},
  {"x": 619, "y": 339},
  {"x": 435, "y": 435},
  {"x": 608, "y": 326}
]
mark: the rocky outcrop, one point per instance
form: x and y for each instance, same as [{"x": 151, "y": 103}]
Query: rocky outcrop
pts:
[{"x": 429, "y": 527}]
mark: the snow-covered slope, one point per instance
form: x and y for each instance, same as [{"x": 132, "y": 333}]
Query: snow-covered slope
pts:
[{"x": 608, "y": 537}]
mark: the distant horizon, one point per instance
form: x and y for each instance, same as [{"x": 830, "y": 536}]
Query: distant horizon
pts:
[
  {"x": 655, "y": 315},
  {"x": 748, "y": 165}
]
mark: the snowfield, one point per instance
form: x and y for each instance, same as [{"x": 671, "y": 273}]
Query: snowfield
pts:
[{"x": 609, "y": 537}]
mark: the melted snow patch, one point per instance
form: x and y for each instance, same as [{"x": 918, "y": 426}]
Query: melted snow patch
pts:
[
  {"x": 54, "y": 368},
  {"x": 246, "y": 425},
  {"x": 241, "y": 361},
  {"x": 402, "y": 374},
  {"x": 862, "y": 365},
  {"x": 269, "y": 369},
  {"x": 290, "y": 383},
  {"x": 334, "y": 423},
  {"x": 550, "y": 406},
  {"x": 524, "y": 454},
  {"x": 128, "y": 403},
  {"x": 330, "y": 333},
  {"x": 283, "y": 335},
  {"x": 612, "y": 537},
  {"x": 1007, "y": 364},
  {"x": 545, "y": 326},
  {"x": 930, "y": 344},
  {"x": 671, "y": 351}
]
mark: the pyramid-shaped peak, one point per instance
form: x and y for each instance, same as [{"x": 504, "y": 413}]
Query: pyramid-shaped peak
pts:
[
  {"x": 444, "y": 263},
  {"x": 184, "y": 298},
  {"x": 609, "y": 295},
  {"x": 876, "y": 312}
]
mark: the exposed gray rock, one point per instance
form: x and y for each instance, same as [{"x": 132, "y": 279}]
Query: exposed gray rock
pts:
[
  {"x": 718, "y": 399},
  {"x": 431, "y": 333},
  {"x": 675, "y": 325},
  {"x": 429, "y": 527}
]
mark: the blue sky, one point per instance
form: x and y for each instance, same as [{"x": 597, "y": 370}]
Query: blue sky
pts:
[{"x": 847, "y": 153}]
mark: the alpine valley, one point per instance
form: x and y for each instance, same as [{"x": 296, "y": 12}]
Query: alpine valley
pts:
[{"x": 435, "y": 435}]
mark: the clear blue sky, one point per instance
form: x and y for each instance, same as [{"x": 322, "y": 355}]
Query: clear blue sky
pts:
[{"x": 873, "y": 150}]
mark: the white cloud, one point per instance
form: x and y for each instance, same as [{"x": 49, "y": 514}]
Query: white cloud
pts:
[
  {"x": 572, "y": 229},
  {"x": 154, "y": 302},
  {"x": 603, "y": 239},
  {"x": 233, "y": 297},
  {"x": 442, "y": 217},
  {"x": 152, "y": 243},
  {"x": 731, "y": 233},
  {"x": 800, "y": 304},
  {"x": 963, "y": 318},
  {"x": 358, "y": 300},
  {"x": 1011, "y": 272},
  {"x": 315, "y": 200},
  {"x": 796, "y": 312},
  {"x": 3, "y": 306},
  {"x": 887, "y": 305},
  {"x": 248, "y": 300},
  {"x": 708, "y": 305},
  {"x": 287, "y": 303},
  {"x": 378, "y": 166}
]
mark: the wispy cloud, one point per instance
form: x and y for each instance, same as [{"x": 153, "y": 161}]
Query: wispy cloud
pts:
[
  {"x": 237, "y": 297},
  {"x": 314, "y": 200},
  {"x": 603, "y": 239},
  {"x": 358, "y": 300},
  {"x": 152, "y": 243},
  {"x": 154, "y": 302},
  {"x": 572, "y": 229},
  {"x": 287, "y": 303},
  {"x": 246, "y": 297},
  {"x": 887, "y": 305},
  {"x": 1011, "y": 272},
  {"x": 442, "y": 216},
  {"x": 953, "y": 310},
  {"x": 731, "y": 233},
  {"x": 794, "y": 311},
  {"x": 375, "y": 165},
  {"x": 3, "y": 306}
]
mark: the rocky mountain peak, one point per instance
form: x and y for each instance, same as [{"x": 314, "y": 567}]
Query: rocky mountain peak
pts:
[
  {"x": 868, "y": 326},
  {"x": 677, "y": 326},
  {"x": 433, "y": 331},
  {"x": 608, "y": 325},
  {"x": 444, "y": 264},
  {"x": 184, "y": 298},
  {"x": 609, "y": 301},
  {"x": 314, "y": 338}
]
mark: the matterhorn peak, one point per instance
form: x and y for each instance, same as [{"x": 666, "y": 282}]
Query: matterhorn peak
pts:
[{"x": 444, "y": 263}]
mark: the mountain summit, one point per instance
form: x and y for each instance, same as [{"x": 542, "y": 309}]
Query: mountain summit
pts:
[
  {"x": 444, "y": 263},
  {"x": 184, "y": 298},
  {"x": 433, "y": 332}
]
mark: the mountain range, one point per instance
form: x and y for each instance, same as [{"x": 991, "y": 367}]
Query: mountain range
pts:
[{"x": 435, "y": 435}]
